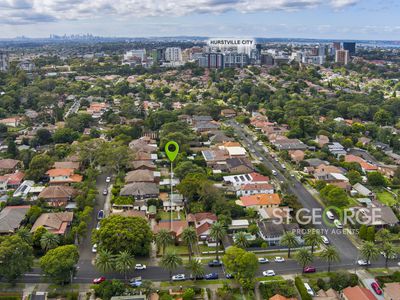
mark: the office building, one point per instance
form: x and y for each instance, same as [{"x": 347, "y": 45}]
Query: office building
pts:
[
  {"x": 3, "y": 62},
  {"x": 342, "y": 57},
  {"x": 173, "y": 54},
  {"x": 350, "y": 46}
]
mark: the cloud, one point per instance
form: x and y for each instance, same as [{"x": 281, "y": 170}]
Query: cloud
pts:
[{"x": 25, "y": 11}]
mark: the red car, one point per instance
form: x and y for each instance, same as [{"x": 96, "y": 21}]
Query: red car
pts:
[
  {"x": 309, "y": 270},
  {"x": 99, "y": 280},
  {"x": 376, "y": 288}
]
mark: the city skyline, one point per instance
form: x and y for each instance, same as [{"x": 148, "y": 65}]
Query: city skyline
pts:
[{"x": 334, "y": 19}]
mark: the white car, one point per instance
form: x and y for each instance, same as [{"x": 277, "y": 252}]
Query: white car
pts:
[
  {"x": 279, "y": 259},
  {"x": 274, "y": 172},
  {"x": 140, "y": 267},
  {"x": 108, "y": 179},
  {"x": 268, "y": 273},
  {"x": 363, "y": 262},
  {"x": 338, "y": 224},
  {"x": 263, "y": 260},
  {"x": 94, "y": 248},
  {"x": 325, "y": 240},
  {"x": 330, "y": 215},
  {"x": 178, "y": 277},
  {"x": 98, "y": 226},
  {"x": 283, "y": 166}
]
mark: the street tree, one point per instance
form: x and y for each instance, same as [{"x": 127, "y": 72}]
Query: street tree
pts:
[
  {"x": 189, "y": 237},
  {"x": 369, "y": 251},
  {"x": 304, "y": 257},
  {"x": 289, "y": 240},
  {"x": 171, "y": 261},
  {"x": 313, "y": 238},
  {"x": 388, "y": 251},
  {"x": 217, "y": 232},
  {"x": 195, "y": 268},
  {"x": 124, "y": 262},
  {"x": 163, "y": 239},
  {"x": 330, "y": 255},
  {"x": 104, "y": 261}
]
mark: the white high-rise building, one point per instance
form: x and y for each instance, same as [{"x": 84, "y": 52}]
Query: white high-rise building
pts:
[
  {"x": 3, "y": 62},
  {"x": 173, "y": 54}
]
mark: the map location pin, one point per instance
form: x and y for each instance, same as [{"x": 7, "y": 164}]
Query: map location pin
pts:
[{"x": 172, "y": 149}]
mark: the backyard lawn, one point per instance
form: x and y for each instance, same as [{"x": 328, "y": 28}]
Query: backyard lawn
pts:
[
  {"x": 386, "y": 198},
  {"x": 165, "y": 215}
]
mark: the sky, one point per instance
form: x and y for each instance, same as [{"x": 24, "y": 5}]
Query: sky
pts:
[{"x": 331, "y": 19}]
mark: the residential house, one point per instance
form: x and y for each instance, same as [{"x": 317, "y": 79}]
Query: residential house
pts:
[
  {"x": 142, "y": 176},
  {"x": 364, "y": 140},
  {"x": 202, "y": 222},
  {"x": 9, "y": 165},
  {"x": 177, "y": 203},
  {"x": 391, "y": 291},
  {"x": 259, "y": 201},
  {"x": 239, "y": 165},
  {"x": 11, "y": 122},
  {"x": 381, "y": 216},
  {"x": 365, "y": 166},
  {"x": 363, "y": 191},
  {"x": 141, "y": 190},
  {"x": 11, "y": 218},
  {"x": 14, "y": 180},
  {"x": 143, "y": 144},
  {"x": 129, "y": 213},
  {"x": 273, "y": 213},
  {"x": 203, "y": 124},
  {"x": 283, "y": 143},
  {"x": 280, "y": 297},
  {"x": 58, "y": 195},
  {"x": 336, "y": 149},
  {"x": 322, "y": 140},
  {"x": 143, "y": 165},
  {"x": 329, "y": 294},
  {"x": 97, "y": 109},
  {"x": 63, "y": 176},
  {"x": 66, "y": 165},
  {"x": 297, "y": 155},
  {"x": 56, "y": 223},
  {"x": 243, "y": 179},
  {"x": 271, "y": 232},
  {"x": 387, "y": 170},
  {"x": 220, "y": 137},
  {"x": 357, "y": 293},
  {"x": 176, "y": 228},
  {"x": 254, "y": 188},
  {"x": 228, "y": 113},
  {"x": 234, "y": 149}
]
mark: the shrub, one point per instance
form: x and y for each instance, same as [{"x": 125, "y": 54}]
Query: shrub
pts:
[{"x": 302, "y": 289}]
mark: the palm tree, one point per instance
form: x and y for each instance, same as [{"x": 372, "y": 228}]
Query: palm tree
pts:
[
  {"x": 49, "y": 241},
  {"x": 217, "y": 232},
  {"x": 171, "y": 261},
  {"x": 241, "y": 240},
  {"x": 25, "y": 235},
  {"x": 304, "y": 257},
  {"x": 196, "y": 268},
  {"x": 105, "y": 261},
  {"x": 189, "y": 237},
  {"x": 388, "y": 251},
  {"x": 330, "y": 254},
  {"x": 289, "y": 240},
  {"x": 163, "y": 238},
  {"x": 124, "y": 262},
  {"x": 313, "y": 239},
  {"x": 369, "y": 251}
]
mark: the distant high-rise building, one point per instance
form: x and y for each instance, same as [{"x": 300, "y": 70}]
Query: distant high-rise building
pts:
[
  {"x": 350, "y": 46},
  {"x": 160, "y": 55},
  {"x": 235, "y": 60},
  {"x": 321, "y": 50},
  {"x": 212, "y": 61},
  {"x": 3, "y": 62},
  {"x": 139, "y": 54},
  {"x": 342, "y": 57},
  {"x": 267, "y": 59},
  {"x": 336, "y": 45},
  {"x": 173, "y": 54}
]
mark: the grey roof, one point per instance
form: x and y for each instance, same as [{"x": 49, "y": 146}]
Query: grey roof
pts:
[
  {"x": 270, "y": 229},
  {"x": 11, "y": 218},
  {"x": 315, "y": 162},
  {"x": 237, "y": 161},
  {"x": 140, "y": 189}
]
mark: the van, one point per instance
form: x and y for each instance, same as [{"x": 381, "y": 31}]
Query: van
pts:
[
  {"x": 309, "y": 289},
  {"x": 330, "y": 215}
]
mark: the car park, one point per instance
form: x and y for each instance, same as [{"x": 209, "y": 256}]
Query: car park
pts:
[
  {"x": 268, "y": 273},
  {"x": 198, "y": 277},
  {"x": 263, "y": 260},
  {"x": 279, "y": 259},
  {"x": 178, "y": 277},
  {"x": 99, "y": 280},
  {"x": 211, "y": 276},
  {"x": 309, "y": 269}
]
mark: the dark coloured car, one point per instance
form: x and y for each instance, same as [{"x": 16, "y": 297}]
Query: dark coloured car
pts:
[
  {"x": 198, "y": 277},
  {"x": 100, "y": 215},
  {"x": 215, "y": 263},
  {"x": 309, "y": 270},
  {"x": 376, "y": 288},
  {"x": 229, "y": 276},
  {"x": 211, "y": 276}
]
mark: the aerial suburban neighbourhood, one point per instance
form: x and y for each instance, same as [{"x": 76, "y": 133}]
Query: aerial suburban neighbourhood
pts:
[{"x": 283, "y": 180}]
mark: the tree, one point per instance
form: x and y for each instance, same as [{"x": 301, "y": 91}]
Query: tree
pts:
[
  {"x": 163, "y": 238},
  {"x": 37, "y": 236},
  {"x": 241, "y": 240},
  {"x": 104, "y": 261},
  {"x": 330, "y": 254},
  {"x": 383, "y": 235},
  {"x": 189, "y": 237},
  {"x": 388, "y": 251},
  {"x": 217, "y": 232},
  {"x": 118, "y": 233},
  {"x": 369, "y": 251},
  {"x": 65, "y": 135},
  {"x": 370, "y": 234},
  {"x": 383, "y": 117},
  {"x": 43, "y": 136},
  {"x": 376, "y": 179},
  {"x": 59, "y": 264},
  {"x": 109, "y": 288},
  {"x": 124, "y": 262},
  {"x": 38, "y": 166},
  {"x": 354, "y": 177},
  {"x": 49, "y": 241},
  {"x": 186, "y": 167},
  {"x": 363, "y": 232},
  {"x": 242, "y": 264},
  {"x": 16, "y": 257},
  {"x": 25, "y": 234},
  {"x": 188, "y": 294},
  {"x": 313, "y": 238},
  {"x": 304, "y": 257},
  {"x": 171, "y": 261},
  {"x": 196, "y": 268},
  {"x": 289, "y": 240}
]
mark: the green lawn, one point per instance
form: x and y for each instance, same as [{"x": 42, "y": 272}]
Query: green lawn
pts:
[
  {"x": 386, "y": 198},
  {"x": 181, "y": 250},
  {"x": 167, "y": 215}
]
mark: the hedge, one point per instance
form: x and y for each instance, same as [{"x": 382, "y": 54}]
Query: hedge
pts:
[{"x": 301, "y": 288}]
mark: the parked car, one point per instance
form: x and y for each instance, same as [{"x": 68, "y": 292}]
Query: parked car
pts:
[
  {"x": 100, "y": 215},
  {"x": 268, "y": 273},
  {"x": 283, "y": 166},
  {"x": 309, "y": 290},
  {"x": 393, "y": 256},
  {"x": 229, "y": 276},
  {"x": 274, "y": 172},
  {"x": 98, "y": 226},
  {"x": 105, "y": 192},
  {"x": 178, "y": 277},
  {"x": 140, "y": 267},
  {"x": 198, "y": 277},
  {"x": 338, "y": 224},
  {"x": 211, "y": 276},
  {"x": 309, "y": 269},
  {"x": 94, "y": 248},
  {"x": 330, "y": 215},
  {"x": 363, "y": 262},
  {"x": 99, "y": 280},
  {"x": 325, "y": 239},
  {"x": 215, "y": 263},
  {"x": 279, "y": 259},
  {"x": 108, "y": 179},
  {"x": 376, "y": 288},
  {"x": 263, "y": 260},
  {"x": 135, "y": 282}
]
